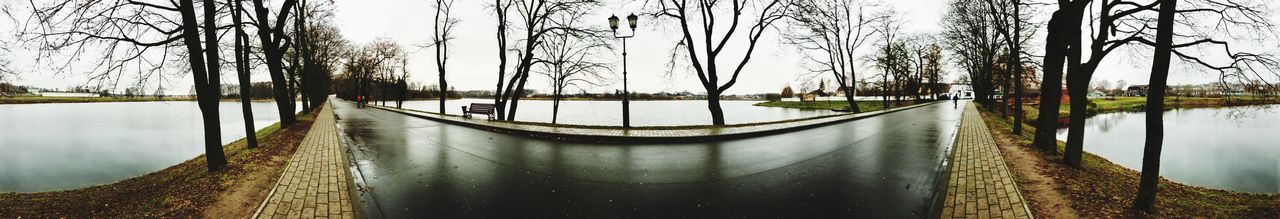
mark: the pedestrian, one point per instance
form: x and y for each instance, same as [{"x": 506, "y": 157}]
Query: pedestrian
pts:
[
  {"x": 359, "y": 101},
  {"x": 955, "y": 101}
]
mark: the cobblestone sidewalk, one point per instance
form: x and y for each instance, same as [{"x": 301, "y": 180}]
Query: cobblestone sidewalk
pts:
[
  {"x": 316, "y": 183},
  {"x": 980, "y": 184}
]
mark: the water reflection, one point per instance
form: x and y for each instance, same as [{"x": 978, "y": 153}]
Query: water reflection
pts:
[
  {"x": 1203, "y": 147},
  {"x": 643, "y": 113},
  {"x": 881, "y": 166},
  {"x": 67, "y": 146}
]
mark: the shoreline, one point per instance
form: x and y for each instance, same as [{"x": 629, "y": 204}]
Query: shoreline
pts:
[
  {"x": 1138, "y": 104},
  {"x": 1105, "y": 189}
]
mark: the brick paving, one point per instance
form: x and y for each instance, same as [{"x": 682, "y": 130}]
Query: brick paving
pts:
[
  {"x": 980, "y": 184},
  {"x": 316, "y": 183},
  {"x": 675, "y": 131}
]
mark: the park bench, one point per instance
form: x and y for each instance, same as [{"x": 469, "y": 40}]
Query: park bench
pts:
[{"x": 478, "y": 108}]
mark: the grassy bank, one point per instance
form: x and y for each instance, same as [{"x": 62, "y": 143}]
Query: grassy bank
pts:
[
  {"x": 865, "y": 106},
  {"x": 1105, "y": 189},
  {"x": 184, "y": 190},
  {"x": 1139, "y": 104},
  {"x": 39, "y": 99}
]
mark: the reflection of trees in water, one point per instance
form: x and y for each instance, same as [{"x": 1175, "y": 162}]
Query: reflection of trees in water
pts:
[
  {"x": 1106, "y": 121},
  {"x": 1239, "y": 114}
]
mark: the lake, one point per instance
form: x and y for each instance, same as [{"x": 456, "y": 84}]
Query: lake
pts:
[
  {"x": 1210, "y": 147},
  {"x": 75, "y": 145},
  {"x": 643, "y": 113}
]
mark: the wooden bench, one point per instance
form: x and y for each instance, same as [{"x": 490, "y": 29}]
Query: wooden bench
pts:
[{"x": 479, "y": 108}]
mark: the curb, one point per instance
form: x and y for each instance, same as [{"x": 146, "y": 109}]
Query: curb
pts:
[{"x": 647, "y": 139}]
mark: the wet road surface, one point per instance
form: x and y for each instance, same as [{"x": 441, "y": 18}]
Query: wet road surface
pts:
[{"x": 882, "y": 166}]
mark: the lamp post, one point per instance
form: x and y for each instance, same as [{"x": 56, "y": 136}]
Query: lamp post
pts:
[{"x": 626, "y": 96}]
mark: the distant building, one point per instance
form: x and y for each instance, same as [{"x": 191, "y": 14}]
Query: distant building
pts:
[
  {"x": 964, "y": 91},
  {"x": 1136, "y": 90},
  {"x": 810, "y": 97}
]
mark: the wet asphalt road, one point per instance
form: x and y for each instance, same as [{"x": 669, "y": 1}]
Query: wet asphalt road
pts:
[{"x": 883, "y": 166}]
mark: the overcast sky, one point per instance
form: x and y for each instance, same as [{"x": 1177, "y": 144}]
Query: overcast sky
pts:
[{"x": 473, "y": 65}]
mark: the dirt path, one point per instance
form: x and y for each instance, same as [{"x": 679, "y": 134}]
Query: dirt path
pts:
[
  {"x": 251, "y": 175},
  {"x": 242, "y": 198},
  {"x": 1046, "y": 200}
]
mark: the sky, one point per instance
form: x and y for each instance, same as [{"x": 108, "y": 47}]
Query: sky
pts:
[{"x": 473, "y": 63}]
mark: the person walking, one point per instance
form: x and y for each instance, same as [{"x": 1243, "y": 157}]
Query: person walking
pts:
[{"x": 955, "y": 101}]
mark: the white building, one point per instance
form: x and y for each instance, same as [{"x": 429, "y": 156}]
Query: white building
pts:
[{"x": 964, "y": 90}]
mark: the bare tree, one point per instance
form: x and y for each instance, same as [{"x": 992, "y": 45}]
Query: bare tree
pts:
[
  {"x": 919, "y": 45},
  {"x": 1119, "y": 24},
  {"x": 971, "y": 36},
  {"x": 1196, "y": 28},
  {"x": 1155, "y": 106},
  {"x": 570, "y": 60},
  {"x": 700, "y": 18},
  {"x": 892, "y": 57},
  {"x": 1112, "y": 18},
  {"x": 501, "y": 8},
  {"x": 242, "y": 70},
  {"x": 272, "y": 38},
  {"x": 537, "y": 19},
  {"x": 1009, "y": 18},
  {"x": 829, "y": 33},
  {"x": 1061, "y": 43},
  {"x": 443, "y": 32},
  {"x": 933, "y": 68},
  {"x": 324, "y": 47}
]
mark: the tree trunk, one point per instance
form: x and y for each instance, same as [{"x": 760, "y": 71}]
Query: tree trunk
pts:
[
  {"x": 1016, "y": 61},
  {"x": 1148, "y": 185},
  {"x": 713, "y": 105},
  {"x": 988, "y": 83},
  {"x": 242, "y": 71},
  {"x": 275, "y": 66},
  {"x": 1051, "y": 86},
  {"x": 443, "y": 92},
  {"x": 206, "y": 79},
  {"x": 1078, "y": 91},
  {"x": 848, "y": 96},
  {"x": 295, "y": 88},
  {"x": 555, "y": 108},
  {"x": 885, "y": 91},
  {"x": 500, "y": 11},
  {"x": 515, "y": 96},
  {"x": 1004, "y": 96},
  {"x": 403, "y": 94}
]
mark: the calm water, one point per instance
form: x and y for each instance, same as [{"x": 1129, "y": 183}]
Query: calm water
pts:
[
  {"x": 1202, "y": 147},
  {"x": 67, "y": 146},
  {"x": 643, "y": 113}
]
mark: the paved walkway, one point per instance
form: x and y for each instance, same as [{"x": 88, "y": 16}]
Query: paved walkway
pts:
[
  {"x": 316, "y": 183},
  {"x": 886, "y": 166},
  {"x": 980, "y": 184},
  {"x": 642, "y": 132}
]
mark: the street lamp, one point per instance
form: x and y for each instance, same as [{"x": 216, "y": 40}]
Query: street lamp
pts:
[{"x": 626, "y": 96}]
